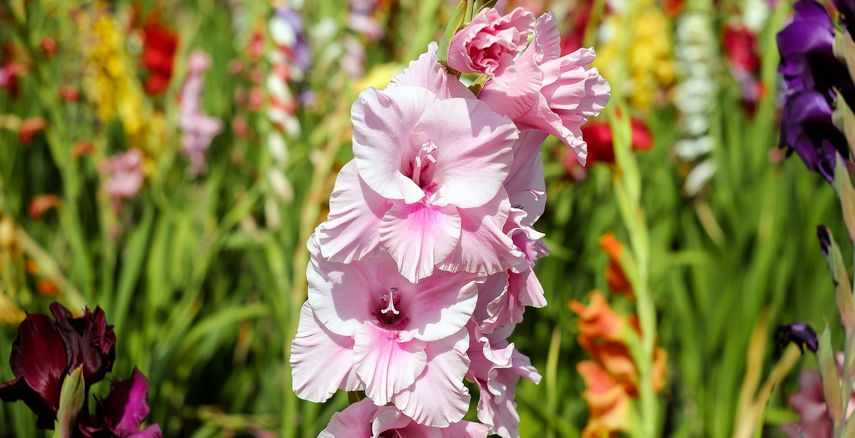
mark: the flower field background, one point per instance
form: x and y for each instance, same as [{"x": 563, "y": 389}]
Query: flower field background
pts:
[{"x": 168, "y": 161}]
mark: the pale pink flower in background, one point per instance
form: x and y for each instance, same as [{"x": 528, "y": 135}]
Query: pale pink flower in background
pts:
[
  {"x": 496, "y": 367},
  {"x": 364, "y": 419},
  {"x": 490, "y": 42},
  {"x": 123, "y": 176},
  {"x": 809, "y": 403},
  {"x": 548, "y": 92},
  {"x": 403, "y": 343},
  {"x": 198, "y": 129},
  {"x": 429, "y": 163}
]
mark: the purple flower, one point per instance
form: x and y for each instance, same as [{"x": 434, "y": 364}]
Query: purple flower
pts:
[
  {"x": 813, "y": 76},
  {"x": 800, "y": 334},
  {"x": 46, "y": 350},
  {"x": 122, "y": 413},
  {"x": 806, "y": 127}
]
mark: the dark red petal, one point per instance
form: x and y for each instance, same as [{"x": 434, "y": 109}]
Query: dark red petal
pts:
[
  {"x": 38, "y": 355},
  {"x": 89, "y": 341},
  {"x": 18, "y": 389}
]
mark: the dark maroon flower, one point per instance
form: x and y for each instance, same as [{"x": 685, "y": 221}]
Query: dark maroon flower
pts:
[
  {"x": 39, "y": 363},
  {"x": 89, "y": 341},
  {"x": 800, "y": 334},
  {"x": 46, "y": 350},
  {"x": 122, "y": 413}
]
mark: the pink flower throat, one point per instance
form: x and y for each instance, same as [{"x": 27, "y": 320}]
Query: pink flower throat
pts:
[{"x": 388, "y": 312}]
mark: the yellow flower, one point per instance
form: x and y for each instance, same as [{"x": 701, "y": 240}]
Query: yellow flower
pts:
[
  {"x": 111, "y": 84},
  {"x": 636, "y": 54}
]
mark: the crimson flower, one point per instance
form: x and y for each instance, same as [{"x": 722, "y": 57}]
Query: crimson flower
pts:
[{"x": 159, "y": 46}]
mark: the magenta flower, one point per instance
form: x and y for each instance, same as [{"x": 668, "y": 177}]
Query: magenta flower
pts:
[
  {"x": 548, "y": 92},
  {"x": 426, "y": 180},
  {"x": 124, "y": 176},
  {"x": 122, "y": 413},
  {"x": 490, "y": 42},
  {"x": 364, "y": 419}
]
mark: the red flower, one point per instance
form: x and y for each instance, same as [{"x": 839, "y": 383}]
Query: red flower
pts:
[
  {"x": 599, "y": 137},
  {"x": 158, "y": 55},
  {"x": 740, "y": 44}
]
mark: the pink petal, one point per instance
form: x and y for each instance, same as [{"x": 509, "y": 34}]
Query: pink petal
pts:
[
  {"x": 530, "y": 291},
  {"x": 389, "y": 418},
  {"x": 382, "y": 127},
  {"x": 525, "y": 185},
  {"x": 419, "y": 236},
  {"x": 439, "y": 306},
  {"x": 493, "y": 287},
  {"x": 438, "y": 398},
  {"x": 484, "y": 249},
  {"x": 547, "y": 39},
  {"x": 466, "y": 429},
  {"x": 516, "y": 90},
  {"x": 354, "y": 421},
  {"x": 427, "y": 72},
  {"x": 474, "y": 149},
  {"x": 321, "y": 361},
  {"x": 386, "y": 364},
  {"x": 339, "y": 293},
  {"x": 351, "y": 229}
]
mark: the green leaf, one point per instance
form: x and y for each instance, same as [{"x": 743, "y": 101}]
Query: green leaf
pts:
[
  {"x": 844, "y": 120},
  {"x": 454, "y": 24},
  {"x": 830, "y": 379},
  {"x": 843, "y": 289},
  {"x": 70, "y": 402},
  {"x": 846, "y": 194}
]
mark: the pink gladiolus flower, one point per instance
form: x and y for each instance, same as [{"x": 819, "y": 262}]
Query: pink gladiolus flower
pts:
[
  {"x": 490, "y": 42},
  {"x": 364, "y": 419},
  {"x": 549, "y": 92},
  {"x": 198, "y": 129},
  {"x": 123, "y": 176},
  {"x": 367, "y": 327},
  {"x": 496, "y": 367},
  {"x": 426, "y": 180}
]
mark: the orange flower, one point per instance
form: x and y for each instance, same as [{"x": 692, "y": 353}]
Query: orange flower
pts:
[
  {"x": 41, "y": 204},
  {"x": 611, "y": 377},
  {"x": 608, "y": 402},
  {"x": 29, "y": 129},
  {"x": 615, "y": 276},
  {"x": 47, "y": 288},
  {"x": 597, "y": 320}
]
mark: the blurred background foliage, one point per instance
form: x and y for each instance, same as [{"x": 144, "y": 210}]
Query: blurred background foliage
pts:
[{"x": 201, "y": 269}]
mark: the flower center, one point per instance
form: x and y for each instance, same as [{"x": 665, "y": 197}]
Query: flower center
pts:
[
  {"x": 388, "y": 311},
  {"x": 423, "y": 161}
]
